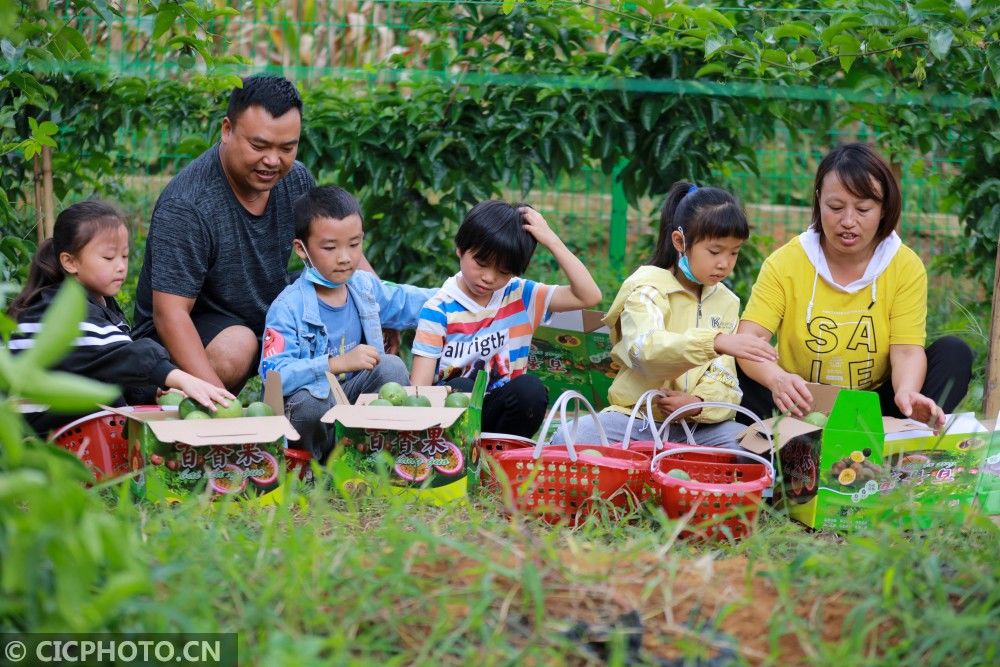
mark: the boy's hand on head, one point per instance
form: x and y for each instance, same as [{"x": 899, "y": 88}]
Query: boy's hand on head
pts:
[
  {"x": 535, "y": 224},
  {"x": 745, "y": 346},
  {"x": 361, "y": 358}
]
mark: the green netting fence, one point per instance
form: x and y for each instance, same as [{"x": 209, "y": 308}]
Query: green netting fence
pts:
[{"x": 393, "y": 40}]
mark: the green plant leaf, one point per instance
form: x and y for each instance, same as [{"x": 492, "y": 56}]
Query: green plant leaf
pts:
[
  {"x": 59, "y": 328},
  {"x": 940, "y": 42},
  {"x": 65, "y": 392},
  {"x": 712, "y": 44}
]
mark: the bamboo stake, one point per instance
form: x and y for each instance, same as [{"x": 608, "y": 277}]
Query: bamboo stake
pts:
[
  {"x": 991, "y": 388},
  {"x": 49, "y": 202},
  {"x": 39, "y": 207}
]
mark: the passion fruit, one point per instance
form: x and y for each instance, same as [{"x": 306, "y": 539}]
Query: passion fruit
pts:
[
  {"x": 455, "y": 464},
  {"x": 270, "y": 466},
  {"x": 259, "y": 409},
  {"x": 233, "y": 481},
  {"x": 847, "y": 476},
  {"x": 170, "y": 398},
  {"x": 413, "y": 467}
]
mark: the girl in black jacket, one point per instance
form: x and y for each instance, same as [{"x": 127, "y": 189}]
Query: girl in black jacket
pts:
[{"x": 90, "y": 243}]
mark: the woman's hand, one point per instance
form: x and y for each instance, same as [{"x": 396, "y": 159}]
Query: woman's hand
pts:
[
  {"x": 745, "y": 346},
  {"x": 674, "y": 400},
  {"x": 917, "y": 406},
  {"x": 790, "y": 393},
  {"x": 199, "y": 390}
]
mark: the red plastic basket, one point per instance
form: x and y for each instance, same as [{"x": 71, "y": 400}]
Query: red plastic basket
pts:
[
  {"x": 298, "y": 462},
  {"x": 562, "y": 485},
  {"x": 651, "y": 447},
  {"x": 100, "y": 440},
  {"x": 720, "y": 500},
  {"x": 491, "y": 444}
]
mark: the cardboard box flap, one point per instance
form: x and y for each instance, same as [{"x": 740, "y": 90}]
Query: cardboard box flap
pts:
[
  {"x": 824, "y": 396},
  {"x": 241, "y": 431},
  {"x": 272, "y": 393},
  {"x": 782, "y": 429},
  {"x": 955, "y": 424},
  {"x": 593, "y": 321},
  {"x": 393, "y": 418}
]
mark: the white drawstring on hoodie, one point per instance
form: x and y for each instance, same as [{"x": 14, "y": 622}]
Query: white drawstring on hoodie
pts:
[{"x": 884, "y": 252}]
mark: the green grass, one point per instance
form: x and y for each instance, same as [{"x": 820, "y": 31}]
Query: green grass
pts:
[{"x": 323, "y": 580}]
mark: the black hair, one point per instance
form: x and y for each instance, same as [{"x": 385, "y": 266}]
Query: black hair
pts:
[
  {"x": 494, "y": 232},
  {"x": 702, "y": 213},
  {"x": 859, "y": 167},
  {"x": 75, "y": 227},
  {"x": 327, "y": 201},
  {"x": 276, "y": 94}
]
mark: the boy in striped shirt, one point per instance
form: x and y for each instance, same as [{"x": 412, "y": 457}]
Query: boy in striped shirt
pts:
[{"x": 484, "y": 316}]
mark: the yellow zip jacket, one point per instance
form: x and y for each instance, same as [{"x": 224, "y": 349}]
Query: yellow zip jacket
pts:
[{"x": 664, "y": 338}]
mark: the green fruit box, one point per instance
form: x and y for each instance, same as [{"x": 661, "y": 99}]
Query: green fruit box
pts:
[
  {"x": 573, "y": 351},
  {"x": 861, "y": 467},
  {"x": 240, "y": 456},
  {"x": 430, "y": 453}
]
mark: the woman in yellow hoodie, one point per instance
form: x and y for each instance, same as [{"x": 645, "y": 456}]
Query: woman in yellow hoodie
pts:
[
  {"x": 848, "y": 303},
  {"x": 673, "y": 320}
]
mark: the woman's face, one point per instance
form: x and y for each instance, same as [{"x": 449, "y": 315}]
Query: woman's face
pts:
[{"x": 849, "y": 223}]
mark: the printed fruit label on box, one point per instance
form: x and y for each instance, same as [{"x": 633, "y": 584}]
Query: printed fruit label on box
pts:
[{"x": 171, "y": 471}]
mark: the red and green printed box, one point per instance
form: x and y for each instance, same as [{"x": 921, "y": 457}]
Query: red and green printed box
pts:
[
  {"x": 573, "y": 351},
  {"x": 429, "y": 453},
  {"x": 861, "y": 468}
]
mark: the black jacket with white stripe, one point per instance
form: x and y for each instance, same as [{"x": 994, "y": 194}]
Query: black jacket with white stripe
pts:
[{"x": 103, "y": 351}]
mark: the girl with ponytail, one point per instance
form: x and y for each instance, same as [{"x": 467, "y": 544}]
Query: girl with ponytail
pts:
[
  {"x": 89, "y": 244},
  {"x": 672, "y": 324}
]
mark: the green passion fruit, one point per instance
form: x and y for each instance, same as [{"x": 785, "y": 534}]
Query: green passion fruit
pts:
[
  {"x": 454, "y": 400},
  {"x": 677, "y": 473},
  {"x": 417, "y": 401},
  {"x": 189, "y": 405},
  {"x": 381, "y": 402},
  {"x": 392, "y": 392},
  {"x": 198, "y": 415},
  {"x": 259, "y": 409},
  {"x": 234, "y": 409},
  {"x": 170, "y": 398}
]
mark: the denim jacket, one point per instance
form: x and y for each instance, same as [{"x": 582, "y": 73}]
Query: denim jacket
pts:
[{"x": 295, "y": 340}]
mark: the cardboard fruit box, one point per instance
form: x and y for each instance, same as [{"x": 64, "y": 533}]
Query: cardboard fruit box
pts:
[
  {"x": 862, "y": 467},
  {"x": 239, "y": 456},
  {"x": 431, "y": 453},
  {"x": 573, "y": 351}
]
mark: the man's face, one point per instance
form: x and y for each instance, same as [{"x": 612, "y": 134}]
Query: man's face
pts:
[{"x": 259, "y": 149}]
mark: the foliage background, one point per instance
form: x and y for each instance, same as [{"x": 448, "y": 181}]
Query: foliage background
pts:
[{"x": 458, "y": 101}]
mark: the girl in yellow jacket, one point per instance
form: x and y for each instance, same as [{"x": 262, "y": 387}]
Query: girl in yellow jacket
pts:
[{"x": 673, "y": 321}]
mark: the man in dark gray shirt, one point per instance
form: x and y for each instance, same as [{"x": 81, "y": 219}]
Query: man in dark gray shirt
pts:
[{"x": 221, "y": 235}]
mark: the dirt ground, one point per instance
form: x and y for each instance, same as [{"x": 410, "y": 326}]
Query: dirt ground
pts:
[{"x": 724, "y": 606}]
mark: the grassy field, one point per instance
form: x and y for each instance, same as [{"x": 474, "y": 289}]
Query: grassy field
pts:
[{"x": 321, "y": 580}]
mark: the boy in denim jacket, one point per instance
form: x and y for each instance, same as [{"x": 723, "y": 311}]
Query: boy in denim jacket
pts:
[{"x": 331, "y": 318}]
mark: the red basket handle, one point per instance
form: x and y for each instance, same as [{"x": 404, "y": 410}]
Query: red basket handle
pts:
[
  {"x": 560, "y": 406},
  {"x": 665, "y": 428},
  {"x": 710, "y": 450}
]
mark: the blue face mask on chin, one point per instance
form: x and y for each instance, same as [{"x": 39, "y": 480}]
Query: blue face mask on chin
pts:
[
  {"x": 685, "y": 266},
  {"x": 313, "y": 275}
]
